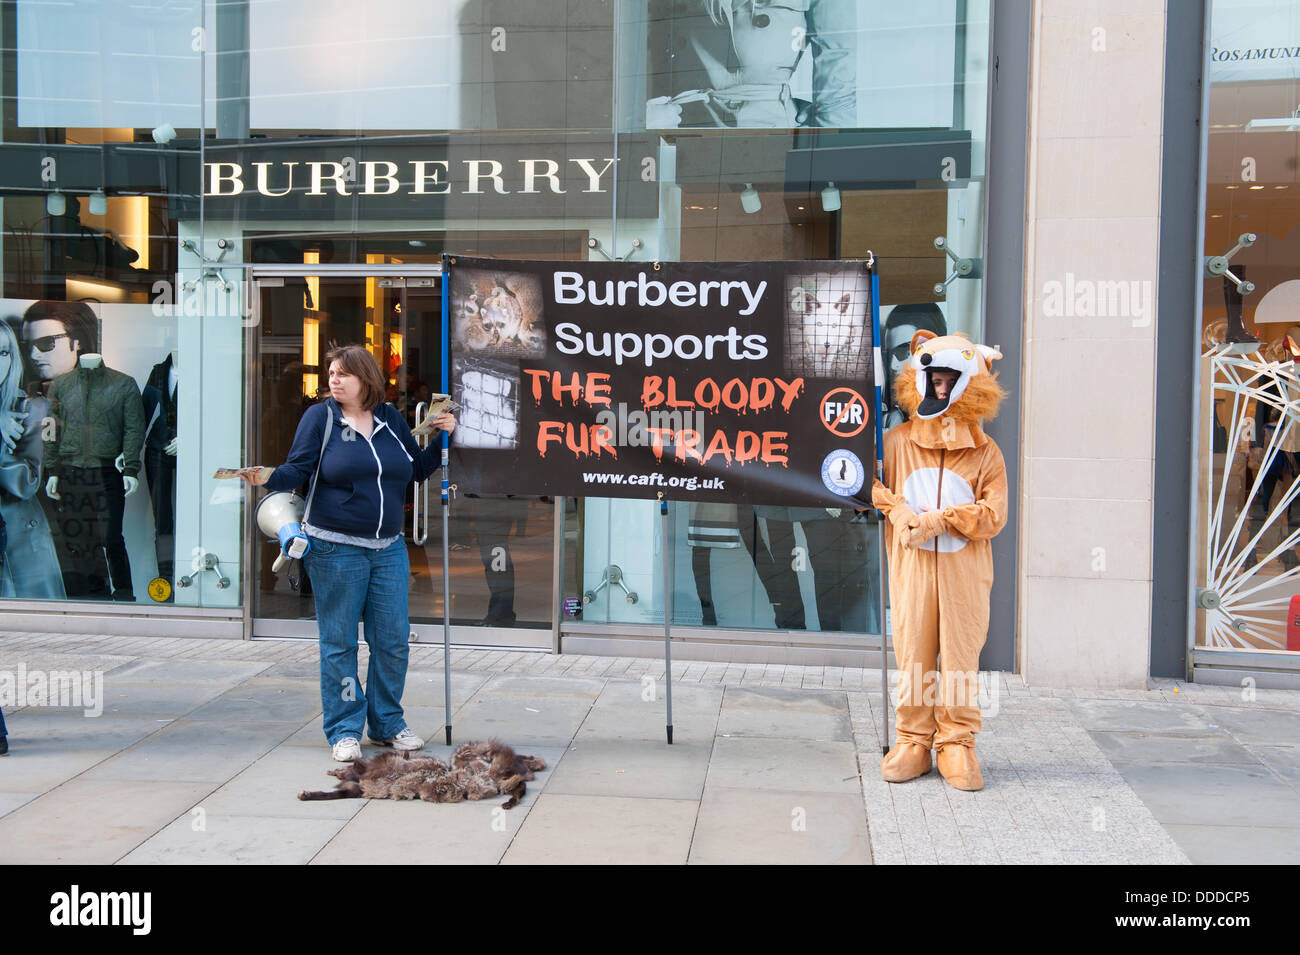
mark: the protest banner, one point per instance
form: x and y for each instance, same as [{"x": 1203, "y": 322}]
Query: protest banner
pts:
[{"x": 746, "y": 382}]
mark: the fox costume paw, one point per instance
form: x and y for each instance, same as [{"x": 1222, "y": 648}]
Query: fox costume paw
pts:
[{"x": 925, "y": 527}]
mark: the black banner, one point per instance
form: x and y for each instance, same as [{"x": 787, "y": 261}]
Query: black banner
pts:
[{"x": 704, "y": 381}]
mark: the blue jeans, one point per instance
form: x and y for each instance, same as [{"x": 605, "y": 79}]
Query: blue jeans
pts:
[{"x": 360, "y": 585}]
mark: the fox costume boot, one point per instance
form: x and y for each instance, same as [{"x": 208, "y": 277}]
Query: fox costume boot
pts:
[{"x": 944, "y": 497}]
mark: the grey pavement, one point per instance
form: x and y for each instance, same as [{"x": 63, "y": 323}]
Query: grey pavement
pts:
[{"x": 202, "y": 746}]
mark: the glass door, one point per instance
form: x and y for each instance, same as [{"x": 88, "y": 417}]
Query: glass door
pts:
[{"x": 501, "y": 548}]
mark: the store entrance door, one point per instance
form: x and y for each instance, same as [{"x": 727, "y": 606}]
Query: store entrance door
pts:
[{"x": 501, "y": 548}]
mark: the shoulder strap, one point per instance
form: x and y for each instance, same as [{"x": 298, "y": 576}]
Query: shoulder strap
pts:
[{"x": 329, "y": 426}]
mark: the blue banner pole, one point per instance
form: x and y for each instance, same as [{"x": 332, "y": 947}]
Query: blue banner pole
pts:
[
  {"x": 668, "y": 612},
  {"x": 877, "y": 351},
  {"x": 445, "y": 278}
]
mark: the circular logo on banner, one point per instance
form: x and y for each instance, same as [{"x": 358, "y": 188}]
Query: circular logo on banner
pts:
[
  {"x": 160, "y": 589},
  {"x": 844, "y": 412},
  {"x": 843, "y": 473}
]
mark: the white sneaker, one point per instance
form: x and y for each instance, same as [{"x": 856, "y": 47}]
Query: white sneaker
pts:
[
  {"x": 405, "y": 740},
  {"x": 347, "y": 749}
]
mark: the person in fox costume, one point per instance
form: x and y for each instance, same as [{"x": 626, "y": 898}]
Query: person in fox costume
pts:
[{"x": 945, "y": 497}]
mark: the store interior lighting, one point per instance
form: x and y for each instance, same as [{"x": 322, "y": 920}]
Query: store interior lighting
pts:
[
  {"x": 749, "y": 200},
  {"x": 56, "y": 203},
  {"x": 98, "y": 203},
  {"x": 164, "y": 134},
  {"x": 831, "y": 197}
]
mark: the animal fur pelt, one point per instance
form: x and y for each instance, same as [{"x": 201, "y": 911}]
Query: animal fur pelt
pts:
[{"x": 477, "y": 771}]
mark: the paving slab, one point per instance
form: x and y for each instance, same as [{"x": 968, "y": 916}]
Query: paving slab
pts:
[
  {"x": 1230, "y": 795},
  {"x": 235, "y": 840},
  {"x": 623, "y": 712},
  {"x": 269, "y": 787},
  {"x": 1134, "y": 717},
  {"x": 388, "y": 832},
  {"x": 1214, "y": 747},
  {"x": 630, "y": 767},
  {"x": 785, "y": 699},
  {"x": 160, "y": 699},
  {"x": 1282, "y": 760},
  {"x": 11, "y": 801},
  {"x": 195, "y": 751},
  {"x": 772, "y": 827},
  {"x": 519, "y": 720},
  {"x": 784, "y": 764},
  {"x": 263, "y": 700},
  {"x": 212, "y": 672},
  {"x": 1238, "y": 845},
  {"x": 1255, "y": 723},
  {"x": 604, "y": 830},
  {"x": 584, "y": 687},
  {"x": 776, "y": 722},
  {"x": 92, "y": 822}
]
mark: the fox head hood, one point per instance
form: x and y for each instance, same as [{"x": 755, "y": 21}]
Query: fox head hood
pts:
[
  {"x": 976, "y": 394},
  {"x": 974, "y": 397}
]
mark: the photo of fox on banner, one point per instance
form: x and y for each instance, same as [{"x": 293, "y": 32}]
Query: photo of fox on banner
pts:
[{"x": 733, "y": 382}]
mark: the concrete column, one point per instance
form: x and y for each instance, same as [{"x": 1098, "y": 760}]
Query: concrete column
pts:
[{"x": 1087, "y": 399}]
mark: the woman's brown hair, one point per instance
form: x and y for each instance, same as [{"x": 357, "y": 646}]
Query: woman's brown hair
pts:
[{"x": 356, "y": 360}]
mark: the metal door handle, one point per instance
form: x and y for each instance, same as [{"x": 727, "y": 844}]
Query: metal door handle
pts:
[
  {"x": 415, "y": 488},
  {"x": 418, "y": 489}
]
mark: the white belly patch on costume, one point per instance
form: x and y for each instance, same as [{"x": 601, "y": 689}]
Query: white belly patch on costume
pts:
[{"x": 922, "y": 487}]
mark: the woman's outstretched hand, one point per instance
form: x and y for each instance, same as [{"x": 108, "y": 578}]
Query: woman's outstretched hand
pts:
[
  {"x": 256, "y": 476},
  {"x": 446, "y": 421}
]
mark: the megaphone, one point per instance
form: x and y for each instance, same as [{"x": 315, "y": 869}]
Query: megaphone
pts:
[{"x": 279, "y": 516}]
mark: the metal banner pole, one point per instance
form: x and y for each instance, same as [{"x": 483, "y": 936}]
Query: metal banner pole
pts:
[
  {"x": 668, "y": 613},
  {"x": 446, "y": 507},
  {"x": 880, "y": 524}
]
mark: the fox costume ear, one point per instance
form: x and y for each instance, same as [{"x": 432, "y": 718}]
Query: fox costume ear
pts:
[
  {"x": 989, "y": 354},
  {"x": 924, "y": 335}
]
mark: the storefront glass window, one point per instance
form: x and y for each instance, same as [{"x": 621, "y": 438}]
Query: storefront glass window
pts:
[
  {"x": 1249, "y": 442},
  {"x": 208, "y": 195}
]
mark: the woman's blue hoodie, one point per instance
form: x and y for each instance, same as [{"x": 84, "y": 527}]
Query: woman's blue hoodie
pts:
[{"x": 363, "y": 481}]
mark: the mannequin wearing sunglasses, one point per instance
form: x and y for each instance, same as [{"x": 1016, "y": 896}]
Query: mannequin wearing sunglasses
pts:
[
  {"x": 903, "y": 322},
  {"x": 55, "y": 334},
  {"x": 93, "y": 461}
]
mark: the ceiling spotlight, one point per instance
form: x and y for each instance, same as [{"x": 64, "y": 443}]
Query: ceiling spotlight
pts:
[
  {"x": 56, "y": 204},
  {"x": 98, "y": 203},
  {"x": 164, "y": 134},
  {"x": 831, "y": 198},
  {"x": 749, "y": 200}
]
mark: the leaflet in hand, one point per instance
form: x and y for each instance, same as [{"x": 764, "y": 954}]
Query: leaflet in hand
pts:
[
  {"x": 437, "y": 405},
  {"x": 252, "y": 472}
]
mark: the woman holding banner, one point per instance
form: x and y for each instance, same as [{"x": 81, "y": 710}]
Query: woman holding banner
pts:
[{"x": 360, "y": 457}]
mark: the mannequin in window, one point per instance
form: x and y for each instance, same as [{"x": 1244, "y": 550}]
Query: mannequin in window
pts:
[
  {"x": 29, "y": 565},
  {"x": 93, "y": 459},
  {"x": 903, "y": 322},
  {"x": 160, "y": 448},
  {"x": 750, "y": 75}
]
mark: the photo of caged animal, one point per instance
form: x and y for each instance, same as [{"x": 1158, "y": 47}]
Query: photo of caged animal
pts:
[
  {"x": 498, "y": 313},
  {"x": 477, "y": 771},
  {"x": 827, "y": 334}
]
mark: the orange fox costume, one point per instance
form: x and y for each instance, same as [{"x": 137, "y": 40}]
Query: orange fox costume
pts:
[{"x": 945, "y": 497}]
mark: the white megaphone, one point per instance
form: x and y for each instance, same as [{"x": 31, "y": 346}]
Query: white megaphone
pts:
[{"x": 279, "y": 515}]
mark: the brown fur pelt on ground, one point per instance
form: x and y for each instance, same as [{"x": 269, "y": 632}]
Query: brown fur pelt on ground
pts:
[{"x": 477, "y": 771}]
